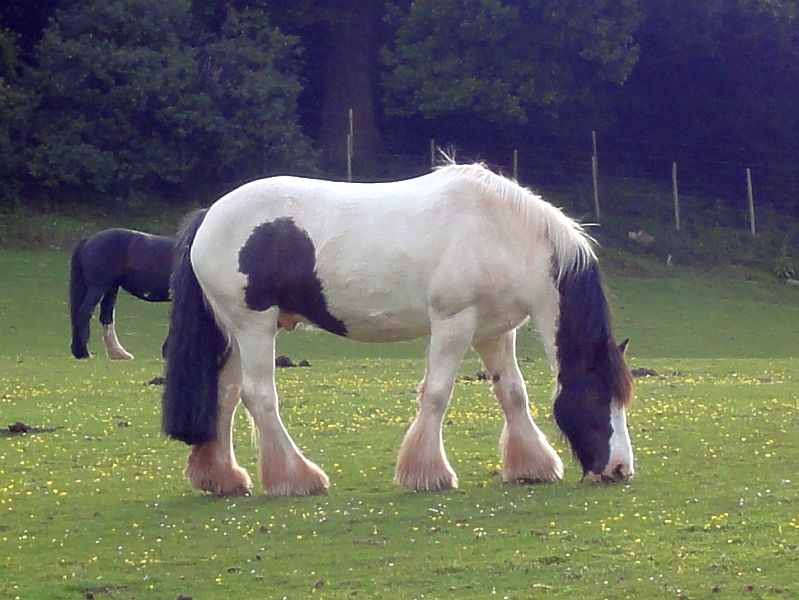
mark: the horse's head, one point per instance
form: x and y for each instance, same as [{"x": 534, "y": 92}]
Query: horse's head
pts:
[{"x": 590, "y": 410}]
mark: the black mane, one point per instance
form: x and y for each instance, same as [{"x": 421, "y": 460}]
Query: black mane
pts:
[{"x": 585, "y": 340}]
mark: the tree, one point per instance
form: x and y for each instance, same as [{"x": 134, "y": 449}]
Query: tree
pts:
[
  {"x": 341, "y": 70},
  {"x": 506, "y": 61},
  {"x": 113, "y": 82},
  {"x": 716, "y": 87},
  {"x": 133, "y": 100},
  {"x": 14, "y": 108},
  {"x": 250, "y": 73},
  {"x": 27, "y": 20}
]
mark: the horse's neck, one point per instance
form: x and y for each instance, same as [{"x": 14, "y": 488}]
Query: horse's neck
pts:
[
  {"x": 545, "y": 312},
  {"x": 539, "y": 291}
]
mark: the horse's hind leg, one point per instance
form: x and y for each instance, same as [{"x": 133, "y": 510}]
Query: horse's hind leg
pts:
[
  {"x": 113, "y": 348},
  {"x": 80, "y": 322},
  {"x": 422, "y": 464},
  {"x": 284, "y": 469},
  {"x": 212, "y": 466},
  {"x": 527, "y": 456}
]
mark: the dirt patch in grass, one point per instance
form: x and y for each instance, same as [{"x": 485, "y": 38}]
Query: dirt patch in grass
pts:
[
  {"x": 20, "y": 428},
  {"x": 93, "y": 592}
]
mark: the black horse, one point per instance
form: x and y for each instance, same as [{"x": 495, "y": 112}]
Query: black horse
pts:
[{"x": 137, "y": 262}]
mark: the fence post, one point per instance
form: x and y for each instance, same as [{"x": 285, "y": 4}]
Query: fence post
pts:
[
  {"x": 751, "y": 197},
  {"x": 350, "y": 148},
  {"x": 516, "y": 166},
  {"x": 595, "y": 174},
  {"x": 432, "y": 153},
  {"x": 676, "y": 192}
]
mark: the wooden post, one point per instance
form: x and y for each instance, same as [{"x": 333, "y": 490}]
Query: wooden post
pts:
[
  {"x": 676, "y": 193},
  {"x": 432, "y": 153},
  {"x": 516, "y": 166},
  {"x": 595, "y": 174},
  {"x": 350, "y": 148},
  {"x": 751, "y": 201}
]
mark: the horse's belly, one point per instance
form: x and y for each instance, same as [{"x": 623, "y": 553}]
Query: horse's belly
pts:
[
  {"x": 373, "y": 316},
  {"x": 380, "y": 294},
  {"x": 386, "y": 327}
]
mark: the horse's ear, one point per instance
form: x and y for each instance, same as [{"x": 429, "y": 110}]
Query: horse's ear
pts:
[{"x": 623, "y": 345}]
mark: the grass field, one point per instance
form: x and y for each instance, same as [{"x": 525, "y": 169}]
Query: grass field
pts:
[{"x": 98, "y": 508}]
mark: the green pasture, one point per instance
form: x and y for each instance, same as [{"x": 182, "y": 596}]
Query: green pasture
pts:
[{"x": 96, "y": 506}]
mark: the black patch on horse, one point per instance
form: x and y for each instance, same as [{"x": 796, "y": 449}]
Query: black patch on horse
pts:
[{"x": 279, "y": 260}]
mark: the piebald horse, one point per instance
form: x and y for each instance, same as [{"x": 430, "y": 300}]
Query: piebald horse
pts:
[{"x": 462, "y": 255}]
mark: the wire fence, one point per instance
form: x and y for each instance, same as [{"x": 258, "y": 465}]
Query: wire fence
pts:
[{"x": 683, "y": 181}]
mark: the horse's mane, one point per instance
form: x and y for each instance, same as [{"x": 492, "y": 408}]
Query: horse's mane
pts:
[
  {"x": 585, "y": 334},
  {"x": 572, "y": 246}
]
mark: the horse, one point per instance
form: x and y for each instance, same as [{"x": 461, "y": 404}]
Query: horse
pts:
[
  {"x": 139, "y": 263},
  {"x": 462, "y": 255}
]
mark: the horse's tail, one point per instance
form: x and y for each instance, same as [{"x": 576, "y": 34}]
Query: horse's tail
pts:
[
  {"x": 196, "y": 351},
  {"x": 77, "y": 294}
]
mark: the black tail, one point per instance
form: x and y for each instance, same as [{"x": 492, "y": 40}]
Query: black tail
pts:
[
  {"x": 77, "y": 294},
  {"x": 195, "y": 353}
]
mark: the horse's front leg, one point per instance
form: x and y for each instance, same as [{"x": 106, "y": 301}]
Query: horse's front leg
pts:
[
  {"x": 284, "y": 469},
  {"x": 527, "y": 456},
  {"x": 422, "y": 464},
  {"x": 113, "y": 348},
  {"x": 212, "y": 466}
]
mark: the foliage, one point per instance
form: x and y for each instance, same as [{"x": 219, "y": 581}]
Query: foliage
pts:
[
  {"x": 714, "y": 234},
  {"x": 129, "y": 103},
  {"x": 503, "y": 61},
  {"x": 99, "y": 507},
  {"x": 124, "y": 101},
  {"x": 8, "y": 53},
  {"x": 784, "y": 268},
  {"x": 251, "y": 78},
  {"x": 14, "y": 108},
  {"x": 114, "y": 85},
  {"x": 715, "y": 86},
  {"x": 48, "y": 227}
]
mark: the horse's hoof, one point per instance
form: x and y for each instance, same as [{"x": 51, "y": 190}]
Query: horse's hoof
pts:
[
  {"x": 302, "y": 478},
  {"x": 81, "y": 354},
  {"x": 207, "y": 474},
  {"x": 441, "y": 481},
  {"x": 441, "y": 485},
  {"x": 241, "y": 490},
  {"x": 294, "y": 491},
  {"x": 538, "y": 474},
  {"x": 529, "y": 459},
  {"x": 231, "y": 487}
]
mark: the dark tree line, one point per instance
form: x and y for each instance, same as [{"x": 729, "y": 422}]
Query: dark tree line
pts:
[
  {"x": 125, "y": 98},
  {"x": 106, "y": 101}
]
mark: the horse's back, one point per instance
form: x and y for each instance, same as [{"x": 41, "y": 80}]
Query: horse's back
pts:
[
  {"x": 404, "y": 210},
  {"x": 378, "y": 258},
  {"x": 139, "y": 262},
  {"x": 104, "y": 253},
  {"x": 328, "y": 239}
]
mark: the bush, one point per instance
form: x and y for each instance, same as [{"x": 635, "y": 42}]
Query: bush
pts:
[{"x": 135, "y": 98}]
